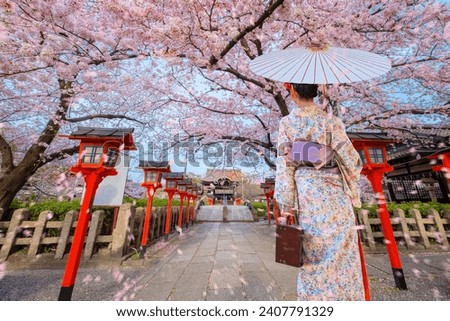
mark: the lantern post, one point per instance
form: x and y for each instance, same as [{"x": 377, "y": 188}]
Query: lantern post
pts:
[
  {"x": 271, "y": 183},
  {"x": 188, "y": 208},
  {"x": 375, "y": 164},
  {"x": 99, "y": 151},
  {"x": 269, "y": 189},
  {"x": 152, "y": 181},
  {"x": 171, "y": 189},
  {"x": 194, "y": 199},
  {"x": 181, "y": 187}
]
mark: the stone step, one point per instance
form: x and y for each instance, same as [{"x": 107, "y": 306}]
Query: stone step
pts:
[{"x": 220, "y": 213}]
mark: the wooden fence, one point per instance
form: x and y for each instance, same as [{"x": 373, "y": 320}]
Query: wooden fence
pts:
[
  {"x": 44, "y": 235},
  {"x": 414, "y": 232}
]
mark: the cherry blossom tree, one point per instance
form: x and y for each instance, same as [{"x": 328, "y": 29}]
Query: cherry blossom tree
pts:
[
  {"x": 137, "y": 62},
  {"x": 212, "y": 42},
  {"x": 63, "y": 63}
]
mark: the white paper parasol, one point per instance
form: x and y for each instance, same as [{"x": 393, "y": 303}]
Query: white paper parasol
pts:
[{"x": 327, "y": 65}]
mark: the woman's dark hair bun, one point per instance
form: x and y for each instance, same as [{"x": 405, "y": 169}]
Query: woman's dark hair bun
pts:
[{"x": 306, "y": 90}]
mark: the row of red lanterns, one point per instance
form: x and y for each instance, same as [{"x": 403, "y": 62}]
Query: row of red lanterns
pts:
[{"x": 99, "y": 151}]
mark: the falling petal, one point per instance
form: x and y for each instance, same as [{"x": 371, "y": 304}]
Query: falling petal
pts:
[
  {"x": 416, "y": 272},
  {"x": 243, "y": 281},
  {"x": 87, "y": 279},
  {"x": 2, "y": 270},
  {"x": 413, "y": 258},
  {"x": 436, "y": 293}
]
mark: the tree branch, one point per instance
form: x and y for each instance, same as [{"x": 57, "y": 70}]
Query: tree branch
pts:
[
  {"x": 390, "y": 113},
  {"x": 62, "y": 154},
  {"x": 106, "y": 116},
  {"x": 266, "y": 14}
]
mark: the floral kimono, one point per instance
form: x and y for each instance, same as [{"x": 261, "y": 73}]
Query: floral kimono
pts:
[{"x": 332, "y": 269}]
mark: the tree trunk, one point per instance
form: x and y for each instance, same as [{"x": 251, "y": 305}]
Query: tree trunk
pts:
[
  {"x": 10, "y": 185},
  {"x": 13, "y": 178}
]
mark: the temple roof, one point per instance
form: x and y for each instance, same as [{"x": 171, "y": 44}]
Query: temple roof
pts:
[{"x": 213, "y": 175}]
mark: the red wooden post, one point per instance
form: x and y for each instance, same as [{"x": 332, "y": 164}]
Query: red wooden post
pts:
[
  {"x": 152, "y": 181},
  {"x": 168, "y": 214},
  {"x": 268, "y": 207},
  {"x": 180, "y": 217},
  {"x": 372, "y": 149},
  {"x": 182, "y": 187},
  {"x": 171, "y": 189},
  {"x": 92, "y": 181},
  {"x": 275, "y": 209},
  {"x": 364, "y": 271},
  {"x": 188, "y": 208},
  {"x": 193, "y": 210},
  {"x": 99, "y": 151},
  {"x": 375, "y": 177},
  {"x": 147, "y": 218}
]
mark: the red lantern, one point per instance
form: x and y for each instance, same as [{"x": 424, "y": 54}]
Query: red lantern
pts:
[
  {"x": 99, "y": 151},
  {"x": 171, "y": 189},
  {"x": 152, "y": 181},
  {"x": 269, "y": 188},
  {"x": 182, "y": 191},
  {"x": 372, "y": 149}
]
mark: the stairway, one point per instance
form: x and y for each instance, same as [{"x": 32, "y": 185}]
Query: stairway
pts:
[{"x": 220, "y": 213}]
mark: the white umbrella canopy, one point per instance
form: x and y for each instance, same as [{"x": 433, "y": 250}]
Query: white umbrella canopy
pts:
[{"x": 320, "y": 65}]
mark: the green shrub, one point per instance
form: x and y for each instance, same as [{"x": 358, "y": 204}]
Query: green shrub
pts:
[
  {"x": 59, "y": 208},
  {"x": 406, "y": 206},
  {"x": 157, "y": 202},
  {"x": 260, "y": 207}
]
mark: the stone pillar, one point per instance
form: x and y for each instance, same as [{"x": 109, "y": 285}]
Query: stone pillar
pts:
[
  {"x": 122, "y": 234},
  {"x": 38, "y": 233},
  {"x": 95, "y": 227},
  {"x": 10, "y": 239},
  {"x": 70, "y": 217}
]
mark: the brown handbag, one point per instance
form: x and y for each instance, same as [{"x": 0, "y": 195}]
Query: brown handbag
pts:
[{"x": 288, "y": 245}]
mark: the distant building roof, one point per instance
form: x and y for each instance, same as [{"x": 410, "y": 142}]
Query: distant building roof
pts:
[{"x": 213, "y": 175}]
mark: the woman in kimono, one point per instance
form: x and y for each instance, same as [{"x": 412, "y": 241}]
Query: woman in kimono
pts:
[{"x": 324, "y": 197}]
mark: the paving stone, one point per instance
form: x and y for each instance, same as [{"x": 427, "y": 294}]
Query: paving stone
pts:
[
  {"x": 261, "y": 287},
  {"x": 191, "y": 288},
  {"x": 224, "y": 278},
  {"x": 231, "y": 294},
  {"x": 156, "y": 292},
  {"x": 241, "y": 272},
  {"x": 195, "y": 268}
]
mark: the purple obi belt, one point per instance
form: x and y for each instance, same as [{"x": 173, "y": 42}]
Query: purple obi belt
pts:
[{"x": 309, "y": 154}]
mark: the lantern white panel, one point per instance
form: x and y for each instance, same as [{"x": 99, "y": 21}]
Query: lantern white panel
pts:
[{"x": 111, "y": 189}]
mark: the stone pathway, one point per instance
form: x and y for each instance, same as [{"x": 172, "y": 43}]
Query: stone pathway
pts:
[{"x": 216, "y": 261}]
